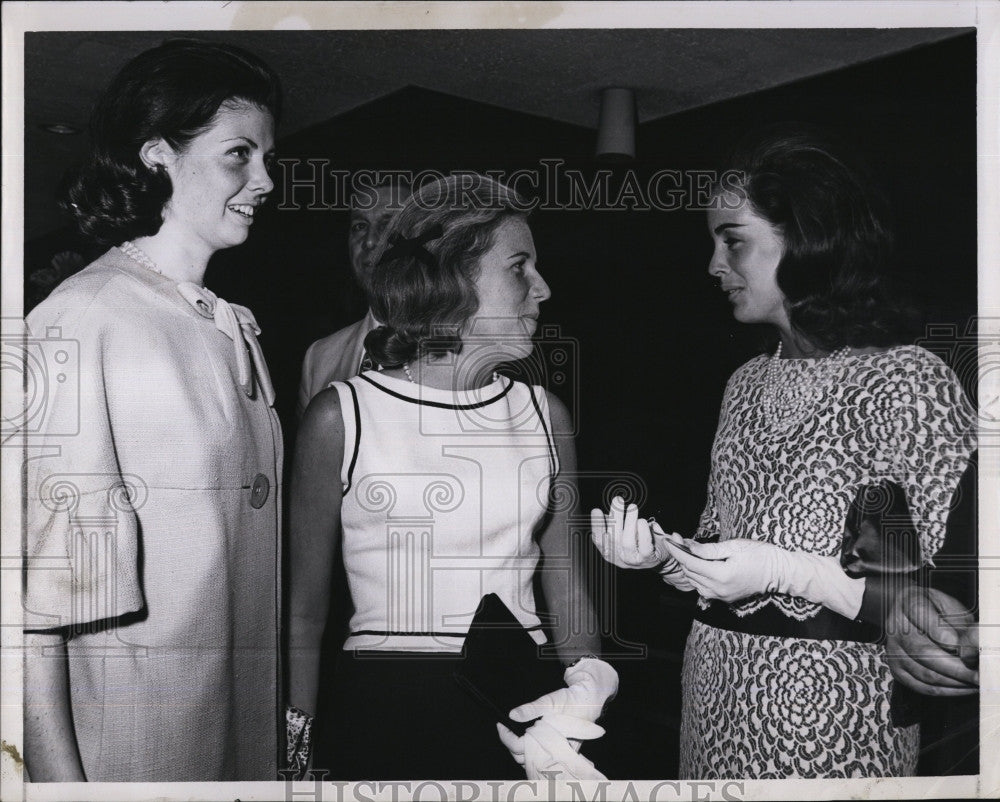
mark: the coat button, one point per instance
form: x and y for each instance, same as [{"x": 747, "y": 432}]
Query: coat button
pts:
[{"x": 258, "y": 491}]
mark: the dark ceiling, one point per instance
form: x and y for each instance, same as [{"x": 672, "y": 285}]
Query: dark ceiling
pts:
[{"x": 556, "y": 74}]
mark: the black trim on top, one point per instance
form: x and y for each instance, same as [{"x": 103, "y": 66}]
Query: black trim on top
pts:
[
  {"x": 357, "y": 437},
  {"x": 397, "y": 633},
  {"x": 402, "y": 634},
  {"x": 553, "y": 461},
  {"x": 439, "y": 404}
]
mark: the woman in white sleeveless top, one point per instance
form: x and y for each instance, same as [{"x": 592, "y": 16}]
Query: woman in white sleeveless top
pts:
[{"x": 433, "y": 476}]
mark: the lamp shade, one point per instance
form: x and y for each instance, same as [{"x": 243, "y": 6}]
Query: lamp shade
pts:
[{"x": 616, "y": 125}]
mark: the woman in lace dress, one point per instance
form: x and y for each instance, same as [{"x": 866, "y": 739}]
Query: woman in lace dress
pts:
[{"x": 783, "y": 675}]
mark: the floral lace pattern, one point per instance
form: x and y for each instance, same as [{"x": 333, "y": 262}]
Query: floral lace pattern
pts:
[{"x": 774, "y": 708}]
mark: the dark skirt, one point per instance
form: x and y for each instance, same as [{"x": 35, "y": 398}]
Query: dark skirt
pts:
[{"x": 402, "y": 716}]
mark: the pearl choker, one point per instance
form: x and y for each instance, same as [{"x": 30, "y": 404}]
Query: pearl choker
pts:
[
  {"x": 789, "y": 396},
  {"x": 137, "y": 254}
]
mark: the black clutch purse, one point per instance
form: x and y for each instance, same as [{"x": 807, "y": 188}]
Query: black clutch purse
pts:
[
  {"x": 502, "y": 667},
  {"x": 881, "y": 543},
  {"x": 879, "y": 535}
]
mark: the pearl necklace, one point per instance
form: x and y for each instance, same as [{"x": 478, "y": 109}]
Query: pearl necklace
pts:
[
  {"x": 409, "y": 375},
  {"x": 789, "y": 396},
  {"x": 137, "y": 254}
]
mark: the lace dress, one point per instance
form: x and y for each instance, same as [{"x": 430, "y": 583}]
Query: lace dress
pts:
[{"x": 759, "y": 706}]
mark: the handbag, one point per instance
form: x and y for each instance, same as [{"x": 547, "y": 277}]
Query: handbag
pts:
[
  {"x": 881, "y": 543},
  {"x": 502, "y": 667},
  {"x": 879, "y": 535}
]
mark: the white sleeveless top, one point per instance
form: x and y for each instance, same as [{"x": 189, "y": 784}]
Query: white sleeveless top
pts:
[{"x": 442, "y": 493}]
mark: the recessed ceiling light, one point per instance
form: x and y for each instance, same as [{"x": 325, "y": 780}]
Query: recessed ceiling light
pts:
[{"x": 60, "y": 128}]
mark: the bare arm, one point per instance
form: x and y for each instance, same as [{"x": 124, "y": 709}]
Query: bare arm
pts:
[
  {"x": 314, "y": 540},
  {"x": 50, "y": 747},
  {"x": 575, "y": 628}
]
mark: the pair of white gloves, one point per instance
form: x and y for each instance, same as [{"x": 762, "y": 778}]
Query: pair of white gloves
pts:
[
  {"x": 729, "y": 570},
  {"x": 566, "y": 717}
]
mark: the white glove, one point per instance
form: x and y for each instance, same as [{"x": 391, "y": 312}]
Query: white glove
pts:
[
  {"x": 590, "y": 685},
  {"x": 571, "y": 711},
  {"x": 574, "y": 730},
  {"x": 734, "y": 569},
  {"x": 626, "y": 540},
  {"x": 546, "y": 748},
  {"x": 671, "y": 572}
]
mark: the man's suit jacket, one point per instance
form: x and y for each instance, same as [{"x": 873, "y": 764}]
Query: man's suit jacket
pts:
[{"x": 334, "y": 358}]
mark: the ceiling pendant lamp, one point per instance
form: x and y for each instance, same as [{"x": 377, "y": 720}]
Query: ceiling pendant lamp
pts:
[{"x": 616, "y": 125}]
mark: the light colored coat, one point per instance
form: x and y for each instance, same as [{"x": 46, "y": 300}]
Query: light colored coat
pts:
[
  {"x": 153, "y": 510},
  {"x": 334, "y": 358}
]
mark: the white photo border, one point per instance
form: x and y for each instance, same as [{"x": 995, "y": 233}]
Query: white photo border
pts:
[{"x": 22, "y": 17}]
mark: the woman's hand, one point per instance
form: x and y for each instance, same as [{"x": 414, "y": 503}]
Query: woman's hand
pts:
[
  {"x": 729, "y": 570},
  {"x": 569, "y": 717},
  {"x": 565, "y": 717},
  {"x": 626, "y": 540},
  {"x": 545, "y": 749},
  {"x": 735, "y": 569},
  {"x": 672, "y": 572},
  {"x": 590, "y": 685}
]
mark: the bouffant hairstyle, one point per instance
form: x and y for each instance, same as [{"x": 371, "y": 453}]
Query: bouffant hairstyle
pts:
[
  {"x": 838, "y": 246},
  {"x": 422, "y": 287},
  {"x": 171, "y": 92}
]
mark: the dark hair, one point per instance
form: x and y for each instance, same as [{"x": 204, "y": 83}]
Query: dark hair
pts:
[
  {"x": 838, "y": 246},
  {"x": 424, "y": 303},
  {"x": 172, "y": 92}
]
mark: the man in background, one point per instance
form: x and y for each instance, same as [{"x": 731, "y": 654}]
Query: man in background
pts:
[{"x": 341, "y": 355}]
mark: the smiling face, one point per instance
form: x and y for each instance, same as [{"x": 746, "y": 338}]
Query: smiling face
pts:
[
  {"x": 747, "y": 252},
  {"x": 510, "y": 290},
  {"x": 220, "y": 179},
  {"x": 367, "y": 225}
]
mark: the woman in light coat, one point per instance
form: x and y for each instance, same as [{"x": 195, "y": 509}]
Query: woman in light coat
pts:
[{"x": 153, "y": 482}]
